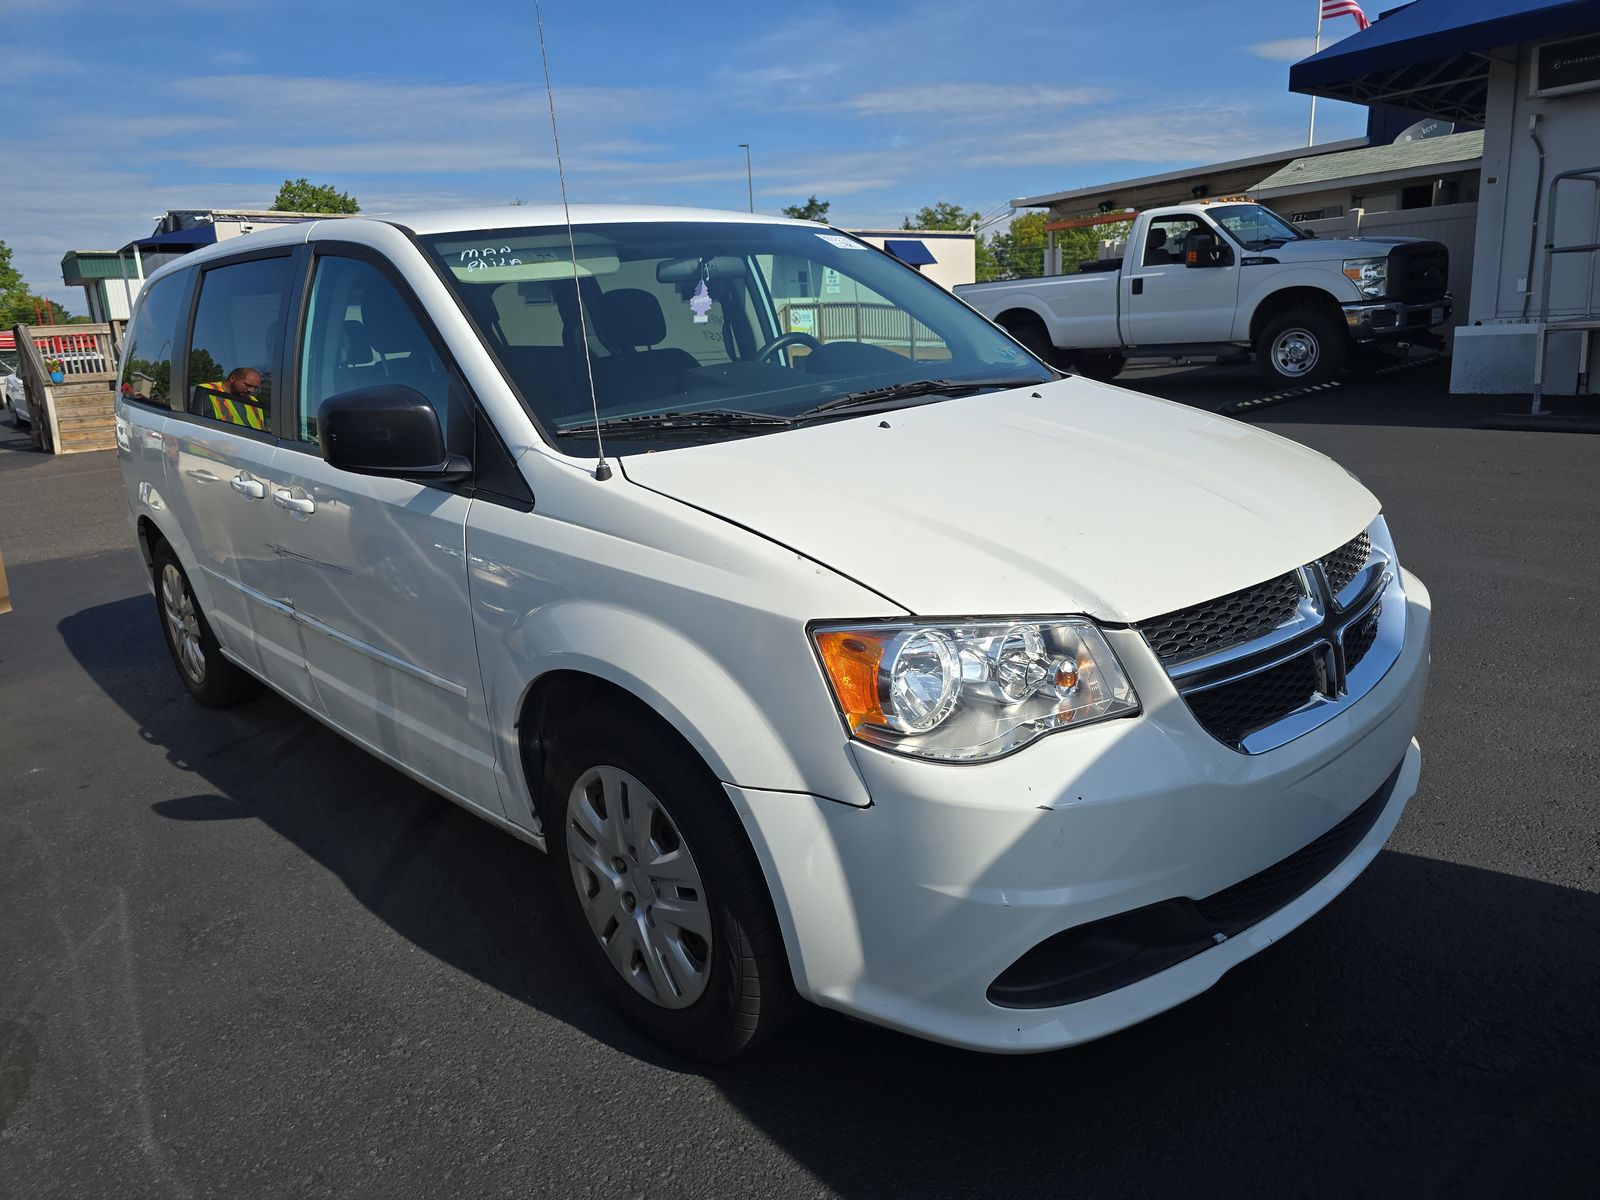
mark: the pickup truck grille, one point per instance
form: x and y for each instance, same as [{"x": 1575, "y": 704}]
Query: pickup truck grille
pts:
[
  {"x": 1253, "y": 658},
  {"x": 1419, "y": 273}
]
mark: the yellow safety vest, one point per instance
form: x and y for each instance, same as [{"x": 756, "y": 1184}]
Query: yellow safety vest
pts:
[{"x": 227, "y": 407}]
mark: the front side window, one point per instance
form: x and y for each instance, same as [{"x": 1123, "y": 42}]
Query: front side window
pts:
[
  {"x": 238, "y": 332},
  {"x": 360, "y": 333},
  {"x": 772, "y": 320},
  {"x": 147, "y": 356},
  {"x": 1163, "y": 241}
]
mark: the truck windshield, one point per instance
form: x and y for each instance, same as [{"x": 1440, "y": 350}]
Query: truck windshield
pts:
[
  {"x": 1254, "y": 227},
  {"x": 690, "y": 317}
]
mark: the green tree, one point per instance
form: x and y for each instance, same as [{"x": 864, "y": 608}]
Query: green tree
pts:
[
  {"x": 812, "y": 210},
  {"x": 942, "y": 215},
  {"x": 301, "y": 195},
  {"x": 1017, "y": 251}
]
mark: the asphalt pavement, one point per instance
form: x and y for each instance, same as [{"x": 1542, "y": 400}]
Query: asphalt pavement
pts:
[{"x": 240, "y": 957}]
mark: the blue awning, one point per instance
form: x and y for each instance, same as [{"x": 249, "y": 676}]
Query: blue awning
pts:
[
  {"x": 1429, "y": 56},
  {"x": 912, "y": 253},
  {"x": 179, "y": 239}
]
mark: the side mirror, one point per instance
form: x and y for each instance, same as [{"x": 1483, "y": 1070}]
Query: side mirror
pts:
[
  {"x": 390, "y": 431},
  {"x": 1202, "y": 249}
]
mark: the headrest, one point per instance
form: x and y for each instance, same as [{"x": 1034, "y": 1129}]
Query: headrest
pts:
[
  {"x": 631, "y": 317},
  {"x": 355, "y": 348}
]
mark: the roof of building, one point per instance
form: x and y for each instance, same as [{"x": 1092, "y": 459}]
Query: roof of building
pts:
[
  {"x": 79, "y": 267},
  {"x": 1428, "y": 56},
  {"x": 1373, "y": 164},
  {"x": 1124, "y": 189}
]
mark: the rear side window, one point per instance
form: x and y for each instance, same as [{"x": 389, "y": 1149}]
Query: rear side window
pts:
[
  {"x": 147, "y": 362},
  {"x": 238, "y": 336}
]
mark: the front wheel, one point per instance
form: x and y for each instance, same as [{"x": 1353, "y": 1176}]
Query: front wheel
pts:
[
  {"x": 1302, "y": 347},
  {"x": 1101, "y": 367},
  {"x": 659, "y": 887}
]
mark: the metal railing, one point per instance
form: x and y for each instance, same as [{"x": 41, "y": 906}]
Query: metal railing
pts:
[
  {"x": 1585, "y": 323},
  {"x": 883, "y": 325}
]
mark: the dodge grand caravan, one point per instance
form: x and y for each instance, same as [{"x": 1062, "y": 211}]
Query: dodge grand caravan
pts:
[{"x": 833, "y": 646}]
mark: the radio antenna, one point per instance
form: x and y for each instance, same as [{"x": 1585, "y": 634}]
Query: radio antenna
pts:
[{"x": 602, "y": 470}]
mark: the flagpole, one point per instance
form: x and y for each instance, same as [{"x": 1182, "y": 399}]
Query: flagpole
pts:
[{"x": 1311, "y": 129}]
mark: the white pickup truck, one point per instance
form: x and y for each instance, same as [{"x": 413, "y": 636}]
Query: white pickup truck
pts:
[{"x": 1224, "y": 277}]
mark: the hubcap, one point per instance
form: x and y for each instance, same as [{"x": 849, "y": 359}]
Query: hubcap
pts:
[
  {"x": 1295, "y": 352},
  {"x": 183, "y": 623},
  {"x": 639, "y": 887}
]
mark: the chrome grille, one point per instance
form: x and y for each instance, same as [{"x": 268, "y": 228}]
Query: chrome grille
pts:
[
  {"x": 1359, "y": 637},
  {"x": 1218, "y": 624},
  {"x": 1345, "y": 563},
  {"x": 1234, "y": 710},
  {"x": 1261, "y": 666}
]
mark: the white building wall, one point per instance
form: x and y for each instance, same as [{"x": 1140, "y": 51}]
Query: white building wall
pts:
[
  {"x": 1494, "y": 352},
  {"x": 955, "y": 256}
]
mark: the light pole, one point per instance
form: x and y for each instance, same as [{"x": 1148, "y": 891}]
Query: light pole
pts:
[{"x": 749, "y": 181}]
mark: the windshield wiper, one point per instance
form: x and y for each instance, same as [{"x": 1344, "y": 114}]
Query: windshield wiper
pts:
[
  {"x": 910, "y": 388},
  {"x": 699, "y": 418}
]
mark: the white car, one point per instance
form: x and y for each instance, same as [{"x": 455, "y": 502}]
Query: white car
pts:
[
  {"x": 12, "y": 394},
  {"x": 859, "y": 657}
]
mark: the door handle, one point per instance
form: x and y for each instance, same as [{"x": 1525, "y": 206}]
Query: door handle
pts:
[
  {"x": 250, "y": 489},
  {"x": 284, "y": 498},
  {"x": 1138, "y": 285}
]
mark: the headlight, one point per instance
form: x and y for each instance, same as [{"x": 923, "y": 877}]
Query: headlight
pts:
[
  {"x": 1370, "y": 275},
  {"x": 971, "y": 689}
]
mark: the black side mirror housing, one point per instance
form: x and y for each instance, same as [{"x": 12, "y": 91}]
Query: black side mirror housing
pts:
[
  {"x": 1202, "y": 249},
  {"x": 389, "y": 430}
]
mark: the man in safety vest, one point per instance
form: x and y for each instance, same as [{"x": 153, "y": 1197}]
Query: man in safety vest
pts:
[{"x": 233, "y": 399}]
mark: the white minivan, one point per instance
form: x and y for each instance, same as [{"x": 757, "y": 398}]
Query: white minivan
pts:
[{"x": 833, "y": 646}]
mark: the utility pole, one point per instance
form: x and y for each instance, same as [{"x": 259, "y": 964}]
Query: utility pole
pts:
[{"x": 749, "y": 180}]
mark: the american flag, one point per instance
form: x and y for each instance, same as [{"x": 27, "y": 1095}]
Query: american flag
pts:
[{"x": 1345, "y": 8}]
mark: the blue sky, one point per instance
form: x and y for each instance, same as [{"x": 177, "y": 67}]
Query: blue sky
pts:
[{"x": 120, "y": 111}]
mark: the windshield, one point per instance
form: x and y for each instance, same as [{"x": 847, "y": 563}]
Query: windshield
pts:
[
  {"x": 1253, "y": 226},
  {"x": 690, "y": 316}
]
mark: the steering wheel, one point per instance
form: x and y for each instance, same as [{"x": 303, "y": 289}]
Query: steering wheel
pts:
[{"x": 786, "y": 340}]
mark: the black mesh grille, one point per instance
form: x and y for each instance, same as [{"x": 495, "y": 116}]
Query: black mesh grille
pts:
[
  {"x": 1418, "y": 273},
  {"x": 1359, "y": 637},
  {"x": 1218, "y": 624},
  {"x": 1345, "y": 563},
  {"x": 1232, "y": 711}
]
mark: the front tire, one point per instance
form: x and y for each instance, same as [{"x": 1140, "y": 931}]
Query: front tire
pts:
[
  {"x": 209, "y": 677},
  {"x": 1301, "y": 348},
  {"x": 1100, "y": 367},
  {"x": 658, "y": 886}
]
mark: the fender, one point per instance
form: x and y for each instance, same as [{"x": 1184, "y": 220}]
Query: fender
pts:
[
  {"x": 1254, "y": 293},
  {"x": 682, "y": 681}
]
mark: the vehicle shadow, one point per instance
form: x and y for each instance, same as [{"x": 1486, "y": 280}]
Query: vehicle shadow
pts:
[{"x": 1434, "y": 1032}]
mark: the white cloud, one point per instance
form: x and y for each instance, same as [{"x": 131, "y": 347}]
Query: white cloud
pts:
[{"x": 1285, "y": 49}]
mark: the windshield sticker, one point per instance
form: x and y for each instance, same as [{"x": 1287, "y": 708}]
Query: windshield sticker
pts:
[
  {"x": 839, "y": 240},
  {"x": 700, "y": 304}
]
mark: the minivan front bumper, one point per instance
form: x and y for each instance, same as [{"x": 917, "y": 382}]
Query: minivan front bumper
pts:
[{"x": 908, "y": 912}]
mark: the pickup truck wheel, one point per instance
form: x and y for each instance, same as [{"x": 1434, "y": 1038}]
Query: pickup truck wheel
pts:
[
  {"x": 1036, "y": 339},
  {"x": 1302, "y": 346},
  {"x": 658, "y": 885},
  {"x": 210, "y": 678},
  {"x": 1101, "y": 367}
]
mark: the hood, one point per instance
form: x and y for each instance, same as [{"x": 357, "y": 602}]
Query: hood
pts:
[
  {"x": 1323, "y": 249},
  {"x": 1068, "y": 497}
]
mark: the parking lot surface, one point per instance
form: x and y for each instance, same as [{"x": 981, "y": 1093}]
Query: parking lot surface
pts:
[{"x": 240, "y": 957}]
